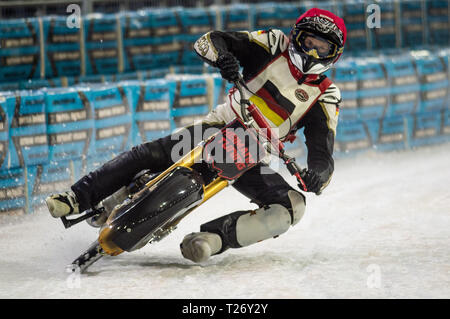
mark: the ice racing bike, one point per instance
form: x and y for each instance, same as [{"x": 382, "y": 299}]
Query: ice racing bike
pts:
[{"x": 153, "y": 205}]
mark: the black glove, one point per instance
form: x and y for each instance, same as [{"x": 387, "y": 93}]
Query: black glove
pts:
[
  {"x": 312, "y": 181},
  {"x": 229, "y": 67}
]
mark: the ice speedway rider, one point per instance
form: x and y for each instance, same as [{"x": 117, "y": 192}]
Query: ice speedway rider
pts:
[{"x": 285, "y": 76}]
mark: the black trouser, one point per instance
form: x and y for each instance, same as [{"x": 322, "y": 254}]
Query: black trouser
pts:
[{"x": 262, "y": 188}]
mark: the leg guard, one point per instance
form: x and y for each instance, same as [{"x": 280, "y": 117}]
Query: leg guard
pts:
[{"x": 244, "y": 228}]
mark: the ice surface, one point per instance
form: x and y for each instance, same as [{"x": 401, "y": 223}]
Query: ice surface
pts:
[{"x": 380, "y": 230}]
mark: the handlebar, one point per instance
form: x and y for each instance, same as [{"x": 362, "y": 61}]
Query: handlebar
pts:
[{"x": 272, "y": 137}]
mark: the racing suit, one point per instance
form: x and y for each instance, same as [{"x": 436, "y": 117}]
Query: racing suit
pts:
[{"x": 288, "y": 99}]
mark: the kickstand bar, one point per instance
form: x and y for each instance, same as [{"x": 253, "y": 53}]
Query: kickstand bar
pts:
[{"x": 73, "y": 221}]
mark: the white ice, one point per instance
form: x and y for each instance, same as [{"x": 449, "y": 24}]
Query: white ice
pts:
[{"x": 380, "y": 230}]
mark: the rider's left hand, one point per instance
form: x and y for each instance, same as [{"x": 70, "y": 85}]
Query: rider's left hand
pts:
[
  {"x": 312, "y": 181},
  {"x": 229, "y": 67}
]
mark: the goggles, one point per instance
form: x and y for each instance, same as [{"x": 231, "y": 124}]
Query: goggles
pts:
[{"x": 316, "y": 46}]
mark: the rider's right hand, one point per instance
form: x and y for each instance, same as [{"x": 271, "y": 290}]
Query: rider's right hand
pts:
[{"x": 229, "y": 67}]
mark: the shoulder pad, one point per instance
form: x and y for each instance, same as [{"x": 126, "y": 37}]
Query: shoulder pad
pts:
[{"x": 270, "y": 40}]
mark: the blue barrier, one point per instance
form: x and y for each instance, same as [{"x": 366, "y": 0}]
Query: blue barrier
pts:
[
  {"x": 49, "y": 47},
  {"x": 434, "y": 82},
  {"x": 413, "y": 28},
  {"x": 136, "y": 29},
  {"x": 385, "y": 37},
  {"x": 86, "y": 79},
  {"x": 221, "y": 90},
  {"x": 155, "y": 73},
  {"x": 13, "y": 196},
  {"x": 437, "y": 12},
  {"x": 195, "y": 23},
  {"x": 28, "y": 143},
  {"x": 354, "y": 15},
  {"x": 19, "y": 50},
  {"x": 113, "y": 78},
  {"x": 9, "y": 87},
  {"x": 332, "y": 6},
  {"x": 101, "y": 41},
  {"x": 168, "y": 37},
  {"x": 444, "y": 56},
  {"x": 188, "y": 69},
  {"x": 41, "y": 83},
  {"x": 63, "y": 54},
  {"x": 151, "y": 103},
  {"x": 6, "y": 100},
  {"x": 46, "y": 179},
  {"x": 352, "y": 137},
  {"x": 4, "y": 138},
  {"x": 276, "y": 16},
  {"x": 236, "y": 17},
  {"x": 445, "y": 127},
  {"x": 373, "y": 88},
  {"x": 346, "y": 79},
  {"x": 70, "y": 123},
  {"x": 388, "y": 133},
  {"x": 191, "y": 102},
  {"x": 151, "y": 39},
  {"x": 424, "y": 129},
  {"x": 404, "y": 85},
  {"x": 112, "y": 116}
]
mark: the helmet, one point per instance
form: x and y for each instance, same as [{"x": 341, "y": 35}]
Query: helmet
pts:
[{"x": 317, "y": 41}]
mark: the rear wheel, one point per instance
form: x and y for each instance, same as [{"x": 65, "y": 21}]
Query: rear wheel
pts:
[{"x": 151, "y": 213}]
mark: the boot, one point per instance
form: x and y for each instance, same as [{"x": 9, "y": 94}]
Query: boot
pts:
[
  {"x": 63, "y": 204},
  {"x": 198, "y": 247}
]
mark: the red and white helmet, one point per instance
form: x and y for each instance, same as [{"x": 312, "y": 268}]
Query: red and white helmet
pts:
[{"x": 317, "y": 41}]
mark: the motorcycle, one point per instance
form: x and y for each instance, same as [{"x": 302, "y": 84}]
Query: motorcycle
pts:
[{"x": 152, "y": 206}]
